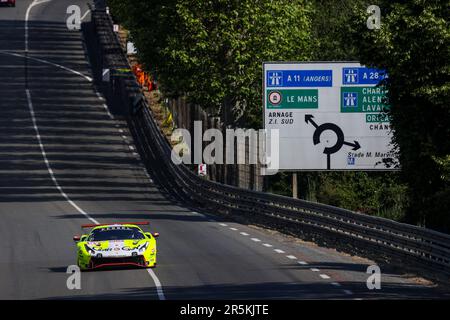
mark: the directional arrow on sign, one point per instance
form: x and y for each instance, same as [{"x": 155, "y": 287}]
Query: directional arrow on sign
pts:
[
  {"x": 355, "y": 145},
  {"x": 340, "y": 137},
  {"x": 309, "y": 119}
]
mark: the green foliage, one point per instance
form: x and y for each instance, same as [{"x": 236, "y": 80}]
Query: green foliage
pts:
[
  {"x": 212, "y": 51},
  {"x": 413, "y": 44},
  {"x": 371, "y": 193},
  {"x": 374, "y": 193},
  {"x": 280, "y": 184},
  {"x": 331, "y": 39}
]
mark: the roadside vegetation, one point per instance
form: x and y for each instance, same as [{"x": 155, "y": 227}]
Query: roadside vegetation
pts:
[{"x": 212, "y": 52}]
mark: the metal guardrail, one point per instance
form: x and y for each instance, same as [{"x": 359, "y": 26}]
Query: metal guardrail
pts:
[{"x": 358, "y": 233}]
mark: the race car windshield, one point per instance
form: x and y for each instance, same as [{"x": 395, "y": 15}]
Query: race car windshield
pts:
[{"x": 116, "y": 234}]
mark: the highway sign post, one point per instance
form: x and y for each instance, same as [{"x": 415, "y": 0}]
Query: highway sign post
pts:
[{"x": 330, "y": 115}]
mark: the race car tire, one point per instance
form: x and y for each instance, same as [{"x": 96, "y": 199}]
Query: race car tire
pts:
[{"x": 84, "y": 269}]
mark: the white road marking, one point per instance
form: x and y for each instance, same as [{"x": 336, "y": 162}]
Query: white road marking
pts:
[
  {"x": 302, "y": 262},
  {"x": 85, "y": 15},
  {"x": 234, "y": 229},
  {"x": 120, "y": 130},
  {"x": 124, "y": 137},
  {"x": 314, "y": 270},
  {"x": 348, "y": 291},
  {"x": 158, "y": 285},
  {"x": 131, "y": 147},
  {"x": 202, "y": 215},
  {"x": 107, "y": 111},
  {"x": 291, "y": 257},
  {"x": 336, "y": 284},
  {"x": 223, "y": 224},
  {"x": 27, "y": 16},
  {"x": 267, "y": 245},
  {"x": 47, "y": 163},
  {"x": 244, "y": 233},
  {"x": 255, "y": 239},
  {"x": 278, "y": 251},
  {"x": 50, "y": 63},
  {"x": 99, "y": 96},
  {"x": 324, "y": 276}
]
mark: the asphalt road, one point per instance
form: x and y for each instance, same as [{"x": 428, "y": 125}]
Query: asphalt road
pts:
[{"x": 64, "y": 158}]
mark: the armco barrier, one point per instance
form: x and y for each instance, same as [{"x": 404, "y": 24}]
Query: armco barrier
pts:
[{"x": 382, "y": 239}]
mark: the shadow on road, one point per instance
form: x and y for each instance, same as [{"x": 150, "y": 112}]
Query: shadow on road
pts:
[
  {"x": 268, "y": 291},
  {"x": 88, "y": 151}
]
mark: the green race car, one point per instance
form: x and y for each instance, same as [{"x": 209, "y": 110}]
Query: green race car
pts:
[{"x": 119, "y": 244}]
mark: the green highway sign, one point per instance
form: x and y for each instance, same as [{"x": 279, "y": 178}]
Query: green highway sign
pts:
[
  {"x": 363, "y": 99},
  {"x": 377, "y": 117},
  {"x": 293, "y": 99},
  {"x": 328, "y": 116}
]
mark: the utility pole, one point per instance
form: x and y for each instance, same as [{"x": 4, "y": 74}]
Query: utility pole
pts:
[{"x": 294, "y": 185}]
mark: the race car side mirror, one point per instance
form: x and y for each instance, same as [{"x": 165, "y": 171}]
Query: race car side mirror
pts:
[
  {"x": 156, "y": 234},
  {"x": 76, "y": 238}
]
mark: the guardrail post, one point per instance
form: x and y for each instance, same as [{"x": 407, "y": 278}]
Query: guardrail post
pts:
[{"x": 294, "y": 185}]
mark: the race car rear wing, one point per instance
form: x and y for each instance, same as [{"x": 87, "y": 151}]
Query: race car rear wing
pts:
[{"x": 140, "y": 223}]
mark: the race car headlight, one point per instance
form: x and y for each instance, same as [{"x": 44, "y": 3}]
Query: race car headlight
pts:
[
  {"x": 143, "y": 247},
  {"x": 89, "y": 250}
]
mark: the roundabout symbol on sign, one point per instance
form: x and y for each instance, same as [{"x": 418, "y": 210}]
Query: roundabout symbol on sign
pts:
[
  {"x": 275, "y": 98},
  {"x": 340, "y": 139}
]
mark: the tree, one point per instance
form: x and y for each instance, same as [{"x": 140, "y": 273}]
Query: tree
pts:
[
  {"x": 212, "y": 51},
  {"x": 413, "y": 45},
  {"x": 329, "y": 29}
]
